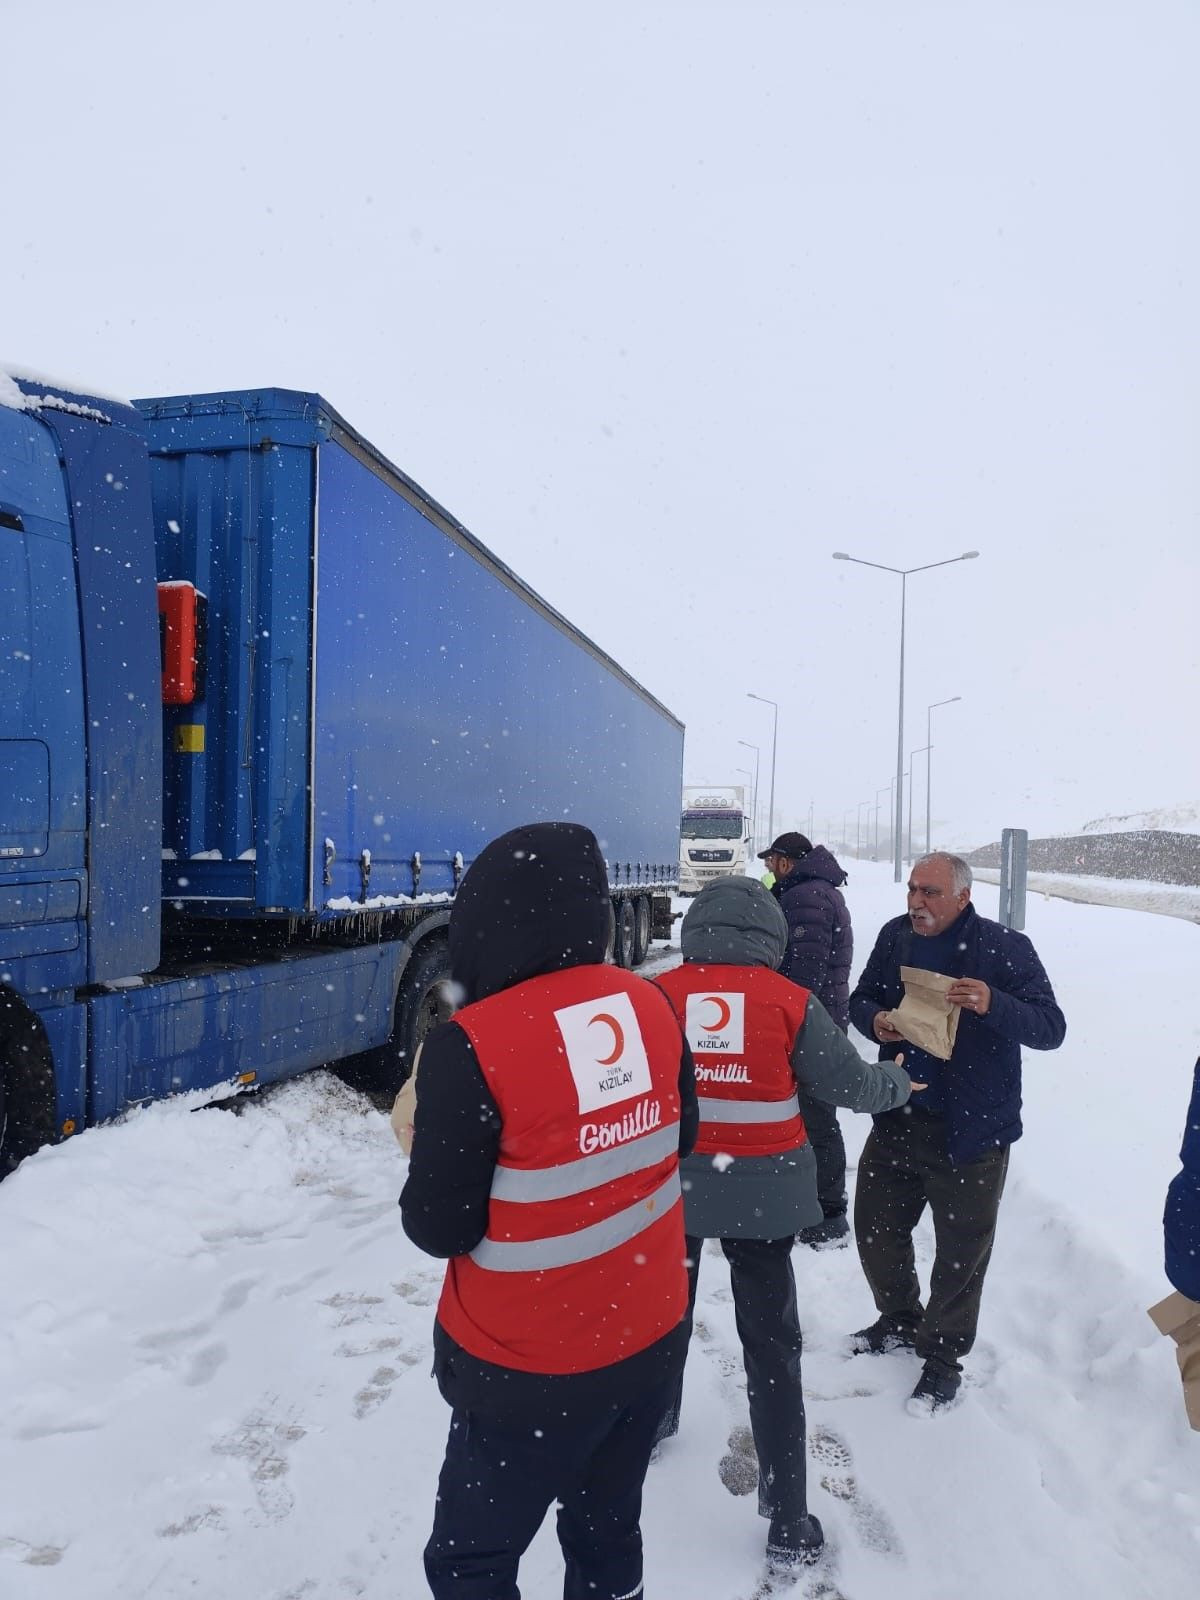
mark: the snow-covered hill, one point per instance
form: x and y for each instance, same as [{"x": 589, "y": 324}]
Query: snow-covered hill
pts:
[{"x": 1183, "y": 818}]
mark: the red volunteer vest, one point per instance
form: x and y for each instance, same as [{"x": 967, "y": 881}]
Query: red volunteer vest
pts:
[
  {"x": 741, "y": 1025},
  {"x": 583, "y": 1260}
]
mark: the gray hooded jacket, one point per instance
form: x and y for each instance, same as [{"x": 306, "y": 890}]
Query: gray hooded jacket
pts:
[{"x": 736, "y": 922}]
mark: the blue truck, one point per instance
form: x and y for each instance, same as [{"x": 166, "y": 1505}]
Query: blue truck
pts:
[{"x": 262, "y": 700}]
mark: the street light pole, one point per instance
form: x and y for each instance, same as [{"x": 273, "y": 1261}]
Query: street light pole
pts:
[
  {"x": 774, "y": 740},
  {"x": 754, "y": 802},
  {"x": 911, "y": 765},
  {"x": 903, "y": 573},
  {"x": 929, "y": 710},
  {"x": 858, "y": 846},
  {"x": 750, "y": 775},
  {"x": 887, "y": 789},
  {"x": 846, "y": 828}
]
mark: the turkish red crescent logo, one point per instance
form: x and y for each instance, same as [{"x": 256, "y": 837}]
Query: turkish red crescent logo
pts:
[
  {"x": 618, "y": 1034},
  {"x": 723, "y": 1013}
]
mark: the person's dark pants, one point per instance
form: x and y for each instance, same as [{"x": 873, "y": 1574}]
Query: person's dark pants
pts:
[
  {"x": 498, "y": 1481},
  {"x": 825, "y": 1136},
  {"x": 768, "y": 1325},
  {"x": 905, "y": 1167}
]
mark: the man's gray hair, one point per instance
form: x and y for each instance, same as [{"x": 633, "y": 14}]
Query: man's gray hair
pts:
[{"x": 961, "y": 875}]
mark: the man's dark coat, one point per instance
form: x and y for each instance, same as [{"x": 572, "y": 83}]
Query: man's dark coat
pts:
[
  {"x": 820, "y": 945},
  {"x": 1182, "y": 1218},
  {"x": 981, "y": 1083}
]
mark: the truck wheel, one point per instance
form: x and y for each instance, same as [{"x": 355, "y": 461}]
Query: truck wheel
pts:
[
  {"x": 421, "y": 1003},
  {"x": 626, "y": 941},
  {"x": 27, "y": 1097},
  {"x": 641, "y": 934}
]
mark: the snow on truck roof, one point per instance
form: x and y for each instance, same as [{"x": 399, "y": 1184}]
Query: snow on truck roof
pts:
[{"x": 22, "y": 390}]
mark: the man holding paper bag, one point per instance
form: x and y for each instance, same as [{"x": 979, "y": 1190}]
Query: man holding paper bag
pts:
[
  {"x": 958, "y": 995},
  {"x": 1178, "y": 1316}
]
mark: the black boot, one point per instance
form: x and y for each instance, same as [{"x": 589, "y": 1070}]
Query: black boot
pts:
[
  {"x": 937, "y": 1388},
  {"x": 892, "y": 1331},
  {"x": 791, "y": 1545},
  {"x": 832, "y": 1233}
]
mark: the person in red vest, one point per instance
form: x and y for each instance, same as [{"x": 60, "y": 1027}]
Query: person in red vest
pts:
[
  {"x": 756, "y": 1038},
  {"x": 551, "y": 1114}
]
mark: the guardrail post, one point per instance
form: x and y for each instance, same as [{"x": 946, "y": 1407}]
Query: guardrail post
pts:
[{"x": 1014, "y": 871}]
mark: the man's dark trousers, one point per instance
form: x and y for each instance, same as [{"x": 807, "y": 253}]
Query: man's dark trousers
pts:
[
  {"x": 498, "y": 1481},
  {"x": 828, "y": 1146},
  {"x": 768, "y": 1325},
  {"x": 905, "y": 1166}
]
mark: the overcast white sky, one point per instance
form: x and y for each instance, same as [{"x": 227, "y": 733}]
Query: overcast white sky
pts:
[{"x": 668, "y": 301}]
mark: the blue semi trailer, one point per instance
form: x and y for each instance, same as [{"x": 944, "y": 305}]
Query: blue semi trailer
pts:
[{"x": 262, "y": 700}]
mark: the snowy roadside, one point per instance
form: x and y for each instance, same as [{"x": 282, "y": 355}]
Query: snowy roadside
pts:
[
  {"x": 1132, "y": 894},
  {"x": 217, "y": 1341}
]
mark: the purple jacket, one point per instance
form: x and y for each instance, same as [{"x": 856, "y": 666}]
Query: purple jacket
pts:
[{"x": 820, "y": 942}]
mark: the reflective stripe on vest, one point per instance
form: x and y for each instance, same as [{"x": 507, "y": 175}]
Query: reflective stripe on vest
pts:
[
  {"x": 712, "y": 1110},
  {"x": 526, "y": 1184},
  {"x": 567, "y": 1249}
]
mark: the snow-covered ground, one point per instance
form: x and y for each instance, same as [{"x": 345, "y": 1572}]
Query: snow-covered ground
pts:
[
  {"x": 215, "y": 1350},
  {"x": 1135, "y": 894}
]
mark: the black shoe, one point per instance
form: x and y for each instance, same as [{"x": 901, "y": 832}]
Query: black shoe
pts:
[
  {"x": 832, "y": 1233},
  {"x": 794, "y": 1545},
  {"x": 890, "y": 1332},
  {"x": 937, "y": 1388}
]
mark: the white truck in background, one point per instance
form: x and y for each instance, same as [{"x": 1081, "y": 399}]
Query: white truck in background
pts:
[{"x": 714, "y": 835}]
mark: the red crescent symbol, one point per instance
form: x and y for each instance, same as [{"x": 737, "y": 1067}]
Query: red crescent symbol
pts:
[
  {"x": 618, "y": 1038},
  {"x": 722, "y": 1007}
]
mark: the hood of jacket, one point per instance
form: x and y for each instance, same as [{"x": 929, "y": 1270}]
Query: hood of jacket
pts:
[
  {"x": 818, "y": 863},
  {"x": 736, "y": 922},
  {"x": 533, "y": 901}
]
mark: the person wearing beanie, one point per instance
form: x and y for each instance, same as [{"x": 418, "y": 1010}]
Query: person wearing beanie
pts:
[
  {"x": 756, "y": 1040},
  {"x": 808, "y": 883},
  {"x": 551, "y": 1114}
]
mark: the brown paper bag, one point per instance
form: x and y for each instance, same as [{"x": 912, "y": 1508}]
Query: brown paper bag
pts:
[
  {"x": 404, "y": 1108},
  {"x": 925, "y": 1017},
  {"x": 1179, "y": 1318}
]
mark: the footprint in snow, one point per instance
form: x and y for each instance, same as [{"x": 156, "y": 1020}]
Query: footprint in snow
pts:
[
  {"x": 262, "y": 1443},
  {"x": 211, "y": 1517},
  {"x": 835, "y": 1463},
  {"x": 32, "y": 1555},
  {"x": 372, "y": 1395}
]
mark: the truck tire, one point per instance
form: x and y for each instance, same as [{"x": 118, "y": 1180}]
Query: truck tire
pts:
[
  {"x": 641, "y": 934},
  {"x": 625, "y": 943},
  {"x": 421, "y": 1003},
  {"x": 27, "y": 1090}
]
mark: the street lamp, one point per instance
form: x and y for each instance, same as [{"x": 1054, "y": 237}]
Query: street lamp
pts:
[
  {"x": 858, "y": 846},
  {"x": 845, "y": 827},
  {"x": 903, "y": 573},
  {"x": 929, "y": 710},
  {"x": 887, "y": 789},
  {"x": 754, "y": 804},
  {"x": 774, "y": 738},
  {"x": 911, "y": 765},
  {"x": 753, "y": 796}
]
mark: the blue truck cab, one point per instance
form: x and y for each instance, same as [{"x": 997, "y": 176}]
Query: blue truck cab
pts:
[{"x": 262, "y": 701}]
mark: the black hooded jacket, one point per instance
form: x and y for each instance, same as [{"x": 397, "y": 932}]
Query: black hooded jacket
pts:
[
  {"x": 535, "y": 901},
  {"x": 820, "y": 944}
]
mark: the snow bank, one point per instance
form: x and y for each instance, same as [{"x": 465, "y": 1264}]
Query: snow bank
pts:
[{"x": 1167, "y": 900}]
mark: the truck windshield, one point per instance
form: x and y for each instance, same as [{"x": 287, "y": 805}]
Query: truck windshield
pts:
[{"x": 712, "y": 827}]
